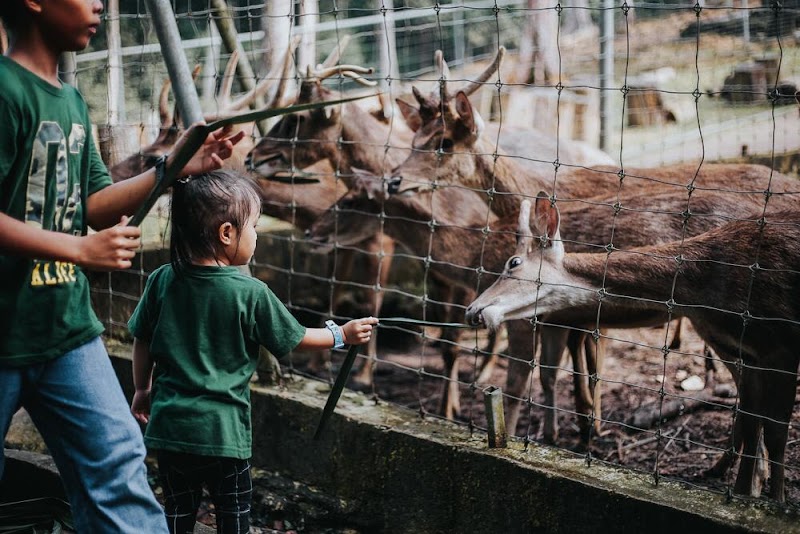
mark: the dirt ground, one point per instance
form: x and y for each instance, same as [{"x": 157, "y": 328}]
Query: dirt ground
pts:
[{"x": 692, "y": 439}]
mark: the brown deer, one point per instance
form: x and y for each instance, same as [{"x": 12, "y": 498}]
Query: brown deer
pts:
[
  {"x": 448, "y": 149},
  {"x": 737, "y": 283},
  {"x": 458, "y": 250}
]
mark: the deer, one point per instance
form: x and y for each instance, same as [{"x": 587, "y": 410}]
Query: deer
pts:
[
  {"x": 450, "y": 150},
  {"x": 349, "y": 137},
  {"x": 468, "y": 247},
  {"x": 737, "y": 283}
]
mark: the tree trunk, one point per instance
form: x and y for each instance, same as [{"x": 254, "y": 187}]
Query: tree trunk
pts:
[
  {"x": 576, "y": 17},
  {"x": 538, "y": 48},
  {"x": 277, "y": 23},
  {"x": 115, "y": 137},
  {"x": 307, "y": 51}
]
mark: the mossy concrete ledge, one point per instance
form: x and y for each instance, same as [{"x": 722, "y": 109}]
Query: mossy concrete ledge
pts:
[{"x": 395, "y": 472}]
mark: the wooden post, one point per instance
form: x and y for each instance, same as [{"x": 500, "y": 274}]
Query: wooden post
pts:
[{"x": 495, "y": 417}]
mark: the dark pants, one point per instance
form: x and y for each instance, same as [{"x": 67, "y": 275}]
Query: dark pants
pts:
[{"x": 227, "y": 480}]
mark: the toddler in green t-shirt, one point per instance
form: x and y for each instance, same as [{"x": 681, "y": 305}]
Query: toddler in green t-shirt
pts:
[{"x": 197, "y": 330}]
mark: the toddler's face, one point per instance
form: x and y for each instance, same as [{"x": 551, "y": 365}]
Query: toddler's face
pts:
[{"x": 247, "y": 239}]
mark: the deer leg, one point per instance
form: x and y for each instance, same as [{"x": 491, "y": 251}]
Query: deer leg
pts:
[
  {"x": 746, "y": 481},
  {"x": 581, "y": 352},
  {"x": 777, "y": 402},
  {"x": 729, "y": 457},
  {"x": 711, "y": 365},
  {"x": 595, "y": 358},
  {"x": 554, "y": 340},
  {"x": 675, "y": 344},
  {"x": 521, "y": 353},
  {"x": 380, "y": 251},
  {"x": 451, "y": 404}
]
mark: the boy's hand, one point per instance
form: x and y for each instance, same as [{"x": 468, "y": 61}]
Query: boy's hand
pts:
[
  {"x": 140, "y": 406},
  {"x": 358, "y": 331},
  {"x": 110, "y": 249},
  {"x": 217, "y": 147}
]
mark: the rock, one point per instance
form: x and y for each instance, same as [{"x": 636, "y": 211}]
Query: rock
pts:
[
  {"x": 23, "y": 435},
  {"x": 693, "y": 383}
]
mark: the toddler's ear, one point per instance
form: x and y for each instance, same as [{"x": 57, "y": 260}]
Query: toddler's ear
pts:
[{"x": 226, "y": 231}]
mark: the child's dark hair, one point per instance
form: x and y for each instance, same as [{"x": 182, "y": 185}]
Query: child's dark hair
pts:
[
  {"x": 200, "y": 206},
  {"x": 10, "y": 11}
]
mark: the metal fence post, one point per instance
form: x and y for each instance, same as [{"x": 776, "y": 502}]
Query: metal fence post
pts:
[{"x": 178, "y": 68}]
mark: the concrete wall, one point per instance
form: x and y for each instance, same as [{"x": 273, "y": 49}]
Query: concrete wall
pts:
[{"x": 397, "y": 473}]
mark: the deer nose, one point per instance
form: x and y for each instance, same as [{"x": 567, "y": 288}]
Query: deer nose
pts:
[
  {"x": 473, "y": 316},
  {"x": 393, "y": 185}
]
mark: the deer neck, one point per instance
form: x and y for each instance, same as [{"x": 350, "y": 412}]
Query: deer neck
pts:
[
  {"x": 366, "y": 140},
  {"x": 655, "y": 275},
  {"x": 505, "y": 180}
]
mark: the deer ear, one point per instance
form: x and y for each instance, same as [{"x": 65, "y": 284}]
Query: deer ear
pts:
[
  {"x": 410, "y": 114},
  {"x": 524, "y": 234},
  {"x": 546, "y": 219},
  {"x": 468, "y": 116},
  {"x": 331, "y": 113}
]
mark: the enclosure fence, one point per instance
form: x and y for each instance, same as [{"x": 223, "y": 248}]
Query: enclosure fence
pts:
[{"x": 666, "y": 135}]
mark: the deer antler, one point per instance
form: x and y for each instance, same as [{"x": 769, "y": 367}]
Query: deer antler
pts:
[
  {"x": 281, "y": 73},
  {"x": 163, "y": 104},
  {"x": 350, "y": 71},
  {"x": 336, "y": 53},
  {"x": 469, "y": 87},
  {"x": 228, "y": 76}
]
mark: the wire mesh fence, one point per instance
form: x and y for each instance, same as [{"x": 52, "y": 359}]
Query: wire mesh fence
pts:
[{"x": 666, "y": 125}]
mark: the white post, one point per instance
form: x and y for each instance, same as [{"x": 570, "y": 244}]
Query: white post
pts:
[{"x": 606, "y": 73}]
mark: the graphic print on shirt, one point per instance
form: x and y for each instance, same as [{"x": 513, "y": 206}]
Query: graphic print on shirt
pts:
[{"x": 50, "y": 165}]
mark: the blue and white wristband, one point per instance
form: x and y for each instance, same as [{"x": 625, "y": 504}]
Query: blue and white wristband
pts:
[{"x": 338, "y": 335}]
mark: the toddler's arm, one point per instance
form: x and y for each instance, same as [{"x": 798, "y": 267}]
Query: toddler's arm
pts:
[
  {"x": 355, "y": 332},
  {"x": 142, "y": 380}
]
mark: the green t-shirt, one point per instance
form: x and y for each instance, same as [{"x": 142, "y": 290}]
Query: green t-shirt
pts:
[
  {"x": 48, "y": 167},
  {"x": 204, "y": 329}
]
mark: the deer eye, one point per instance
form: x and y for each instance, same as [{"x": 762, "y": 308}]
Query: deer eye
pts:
[
  {"x": 514, "y": 262},
  {"x": 447, "y": 145}
]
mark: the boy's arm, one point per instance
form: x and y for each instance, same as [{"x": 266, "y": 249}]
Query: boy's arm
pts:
[
  {"x": 105, "y": 207},
  {"x": 142, "y": 380},
  {"x": 107, "y": 250},
  {"x": 356, "y": 332}
]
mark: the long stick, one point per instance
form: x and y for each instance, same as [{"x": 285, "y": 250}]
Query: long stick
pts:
[{"x": 338, "y": 386}]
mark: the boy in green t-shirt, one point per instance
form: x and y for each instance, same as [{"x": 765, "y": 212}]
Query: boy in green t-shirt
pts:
[
  {"x": 53, "y": 186},
  {"x": 197, "y": 331}
]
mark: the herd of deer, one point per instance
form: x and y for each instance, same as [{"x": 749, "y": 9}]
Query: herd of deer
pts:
[{"x": 605, "y": 248}]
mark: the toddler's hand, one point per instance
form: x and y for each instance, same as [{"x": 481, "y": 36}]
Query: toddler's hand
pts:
[
  {"x": 140, "y": 406},
  {"x": 358, "y": 331}
]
